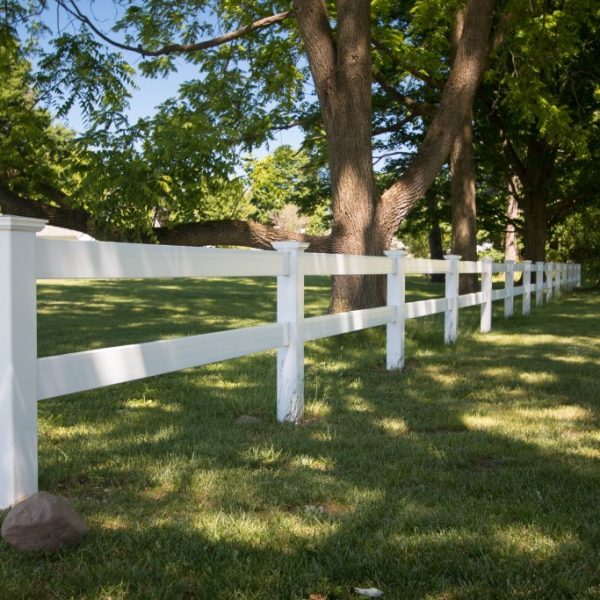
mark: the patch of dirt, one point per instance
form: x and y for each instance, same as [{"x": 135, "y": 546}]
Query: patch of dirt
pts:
[
  {"x": 486, "y": 463},
  {"x": 332, "y": 507}
]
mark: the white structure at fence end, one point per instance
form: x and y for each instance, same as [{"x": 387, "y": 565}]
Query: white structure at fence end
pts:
[
  {"x": 26, "y": 379},
  {"x": 18, "y": 359}
]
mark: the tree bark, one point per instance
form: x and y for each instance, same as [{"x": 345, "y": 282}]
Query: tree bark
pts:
[
  {"x": 535, "y": 225},
  {"x": 536, "y": 182},
  {"x": 61, "y": 216},
  {"x": 436, "y": 247},
  {"x": 463, "y": 201},
  {"x": 463, "y": 184},
  {"x": 341, "y": 69},
  {"x": 511, "y": 248}
]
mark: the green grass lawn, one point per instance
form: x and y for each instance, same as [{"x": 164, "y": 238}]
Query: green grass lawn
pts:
[{"x": 474, "y": 473}]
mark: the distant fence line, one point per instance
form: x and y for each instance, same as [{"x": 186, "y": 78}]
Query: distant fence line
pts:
[{"x": 25, "y": 378}]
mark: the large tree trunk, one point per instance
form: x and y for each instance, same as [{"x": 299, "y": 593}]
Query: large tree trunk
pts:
[
  {"x": 341, "y": 70},
  {"x": 463, "y": 184},
  {"x": 463, "y": 200},
  {"x": 535, "y": 225},
  {"x": 536, "y": 185}
]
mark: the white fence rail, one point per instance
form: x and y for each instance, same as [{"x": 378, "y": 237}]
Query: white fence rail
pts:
[{"x": 25, "y": 379}]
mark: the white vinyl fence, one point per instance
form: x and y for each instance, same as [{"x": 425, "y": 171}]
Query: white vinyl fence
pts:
[{"x": 25, "y": 378}]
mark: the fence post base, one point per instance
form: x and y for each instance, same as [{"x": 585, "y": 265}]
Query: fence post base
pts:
[
  {"x": 527, "y": 287},
  {"x": 485, "y": 320},
  {"x": 451, "y": 314},
  {"x": 509, "y": 286},
  {"x": 290, "y": 310},
  {"x": 396, "y": 295},
  {"x": 18, "y": 359}
]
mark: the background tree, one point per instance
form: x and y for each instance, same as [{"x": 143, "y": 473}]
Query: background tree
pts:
[{"x": 541, "y": 99}]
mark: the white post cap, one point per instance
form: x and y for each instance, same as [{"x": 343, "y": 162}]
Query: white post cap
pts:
[
  {"x": 15, "y": 223},
  {"x": 290, "y": 245}
]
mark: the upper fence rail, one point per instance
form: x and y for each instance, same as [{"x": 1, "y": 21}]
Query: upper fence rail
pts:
[
  {"x": 66, "y": 259},
  {"x": 60, "y": 259},
  {"x": 25, "y": 379}
]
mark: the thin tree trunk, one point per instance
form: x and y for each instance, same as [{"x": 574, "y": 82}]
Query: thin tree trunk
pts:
[
  {"x": 535, "y": 226},
  {"x": 436, "y": 248},
  {"x": 536, "y": 184},
  {"x": 511, "y": 248},
  {"x": 463, "y": 201}
]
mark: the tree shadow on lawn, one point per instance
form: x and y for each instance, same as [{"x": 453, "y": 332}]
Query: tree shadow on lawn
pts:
[{"x": 418, "y": 482}]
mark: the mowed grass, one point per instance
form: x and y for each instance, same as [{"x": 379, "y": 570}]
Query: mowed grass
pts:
[{"x": 474, "y": 473}]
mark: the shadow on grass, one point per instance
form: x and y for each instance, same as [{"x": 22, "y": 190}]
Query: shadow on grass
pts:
[{"x": 473, "y": 473}]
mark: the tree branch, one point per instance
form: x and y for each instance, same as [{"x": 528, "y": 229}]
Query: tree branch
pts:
[
  {"x": 232, "y": 232},
  {"x": 418, "y": 108},
  {"x": 225, "y": 232},
  {"x": 457, "y": 98},
  {"x": 319, "y": 44},
  {"x": 430, "y": 81},
  {"x": 394, "y": 127},
  {"x": 507, "y": 147},
  {"x": 71, "y": 218},
  {"x": 563, "y": 209},
  {"x": 72, "y": 8}
]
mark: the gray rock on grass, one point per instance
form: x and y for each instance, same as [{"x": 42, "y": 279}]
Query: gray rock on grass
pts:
[
  {"x": 247, "y": 420},
  {"x": 43, "y": 522}
]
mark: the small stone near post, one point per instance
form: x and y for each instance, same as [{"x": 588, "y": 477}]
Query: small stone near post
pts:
[
  {"x": 43, "y": 522},
  {"x": 247, "y": 420}
]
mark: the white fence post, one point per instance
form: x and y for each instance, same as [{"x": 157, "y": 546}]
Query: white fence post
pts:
[
  {"x": 290, "y": 310},
  {"x": 396, "y": 295},
  {"x": 557, "y": 279},
  {"x": 578, "y": 277},
  {"x": 509, "y": 286},
  {"x": 527, "y": 287},
  {"x": 570, "y": 273},
  {"x": 451, "y": 313},
  {"x": 549, "y": 281},
  {"x": 539, "y": 283},
  {"x": 485, "y": 320},
  {"x": 18, "y": 359}
]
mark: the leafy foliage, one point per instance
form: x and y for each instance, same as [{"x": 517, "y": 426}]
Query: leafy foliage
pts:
[
  {"x": 286, "y": 177},
  {"x": 34, "y": 150},
  {"x": 578, "y": 239}
]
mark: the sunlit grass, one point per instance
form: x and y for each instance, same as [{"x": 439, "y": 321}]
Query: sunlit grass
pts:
[{"x": 471, "y": 474}]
